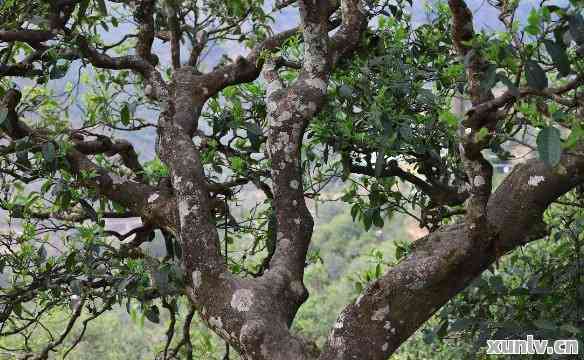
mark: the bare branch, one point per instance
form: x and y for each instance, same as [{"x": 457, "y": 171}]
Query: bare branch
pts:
[
  {"x": 28, "y": 36},
  {"x": 51, "y": 347},
  {"x": 104, "y": 145}
]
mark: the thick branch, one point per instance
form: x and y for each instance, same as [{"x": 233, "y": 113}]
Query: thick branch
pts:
[
  {"x": 104, "y": 145},
  {"x": 29, "y": 36},
  {"x": 477, "y": 168},
  {"x": 446, "y": 261}
]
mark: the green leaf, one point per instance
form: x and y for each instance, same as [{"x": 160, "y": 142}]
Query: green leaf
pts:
[
  {"x": 70, "y": 261},
  {"x": 536, "y": 77},
  {"x": 482, "y": 134},
  {"x": 558, "y": 55},
  {"x": 358, "y": 287},
  {"x": 426, "y": 97},
  {"x": 355, "y": 211},
  {"x": 380, "y": 161},
  {"x": 441, "y": 330},
  {"x": 490, "y": 78},
  {"x": 3, "y": 116},
  {"x": 576, "y": 135},
  {"x": 533, "y": 21},
  {"x": 125, "y": 114},
  {"x": 461, "y": 325},
  {"x": 83, "y": 5},
  {"x": 58, "y": 71},
  {"x": 346, "y": 91},
  {"x": 254, "y": 133},
  {"x": 42, "y": 253},
  {"x": 570, "y": 329},
  {"x": 102, "y": 7},
  {"x": 178, "y": 249},
  {"x": 48, "y": 150},
  {"x": 576, "y": 23},
  {"x": 549, "y": 145},
  {"x": 152, "y": 313},
  {"x": 449, "y": 118},
  {"x": 46, "y": 186},
  {"x": 169, "y": 245},
  {"x": 377, "y": 219},
  {"x": 64, "y": 199},
  {"x": 545, "y": 324},
  {"x": 88, "y": 209},
  {"x": 75, "y": 286},
  {"x": 401, "y": 250},
  {"x": 161, "y": 280},
  {"x": 17, "y": 309},
  {"x": 367, "y": 219}
]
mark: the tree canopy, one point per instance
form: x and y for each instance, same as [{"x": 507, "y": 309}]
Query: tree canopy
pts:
[{"x": 211, "y": 126}]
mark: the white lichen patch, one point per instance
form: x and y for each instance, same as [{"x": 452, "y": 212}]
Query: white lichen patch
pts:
[
  {"x": 183, "y": 211},
  {"x": 337, "y": 342},
  {"x": 387, "y": 325},
  {"x": 117, "y": 179},
  {"x": 271, "y": 107},
  {"x": 294, "y": 203},
  {"x": 283, "y": 140},
  {"x": 242, "y": 300},
  {"x": 197, "y": 279},
  {"x": 535, "y": 180},
  {"x": 297, "y": 221},
  {"x": 294, "y": 184},
  {"x": 284, "y": 243},
  {"x": 216, "y": 322},
  {"x": 152, "y": 198},
  {"x": 148, "y": 90},
  {"x": 285, "y": 116},
  {"x": 385, "y": 347},
  {"x": 340, "y": 321},
  {"x": 380, "y": 314},
  {"x": 479, "y": 181},
  {"x": 464, "y": 188},
  {"x": 189, "y": 185},
  {"x": 273, "y": 86}
]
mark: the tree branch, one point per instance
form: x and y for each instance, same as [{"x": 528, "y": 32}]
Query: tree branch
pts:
[{"x": 446, "y": 261}]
